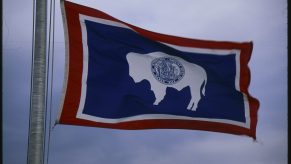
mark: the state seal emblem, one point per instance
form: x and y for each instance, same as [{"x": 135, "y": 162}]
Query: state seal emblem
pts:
[{"x": 167, "y": 70}]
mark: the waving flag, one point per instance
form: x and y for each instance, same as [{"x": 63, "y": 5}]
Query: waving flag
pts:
[{"x": 124, "y": 77}]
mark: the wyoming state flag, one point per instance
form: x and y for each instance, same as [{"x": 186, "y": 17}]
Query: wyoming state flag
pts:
[{"x": 124, "y": 77}]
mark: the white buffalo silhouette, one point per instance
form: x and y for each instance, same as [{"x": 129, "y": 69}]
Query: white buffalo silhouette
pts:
[{"x": 194, "y": 76}]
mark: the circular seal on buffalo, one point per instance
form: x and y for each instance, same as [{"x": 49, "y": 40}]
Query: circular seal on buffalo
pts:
[{"x": 167, "y": 70}]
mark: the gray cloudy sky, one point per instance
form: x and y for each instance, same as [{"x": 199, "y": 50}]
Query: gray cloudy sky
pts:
[{"x": 262, "y": 21}]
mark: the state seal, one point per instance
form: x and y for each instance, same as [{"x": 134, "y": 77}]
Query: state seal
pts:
[{"x": 167, "y": 70}]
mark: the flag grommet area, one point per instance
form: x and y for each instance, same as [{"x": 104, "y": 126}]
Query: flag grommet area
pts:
[{"x": 124, "y": 77}]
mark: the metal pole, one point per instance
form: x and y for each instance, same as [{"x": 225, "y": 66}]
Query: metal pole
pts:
[{"x": 36, "y": 138}]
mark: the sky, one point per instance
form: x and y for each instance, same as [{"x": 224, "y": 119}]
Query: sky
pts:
[{"x": 262, "y": 21}]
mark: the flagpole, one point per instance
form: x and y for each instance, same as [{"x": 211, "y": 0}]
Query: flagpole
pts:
[{"x": 35, "y": 154}]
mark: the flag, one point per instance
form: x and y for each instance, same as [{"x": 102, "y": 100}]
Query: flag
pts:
[{"x": 124, "y": 77}]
